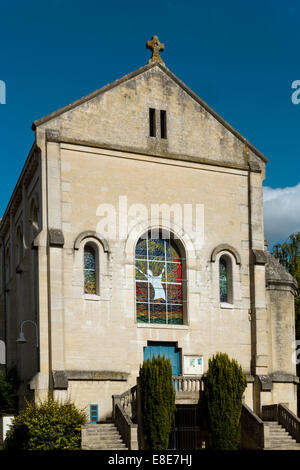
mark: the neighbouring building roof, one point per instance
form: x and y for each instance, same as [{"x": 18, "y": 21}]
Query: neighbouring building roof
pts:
[{"x": 277, "y": 274}]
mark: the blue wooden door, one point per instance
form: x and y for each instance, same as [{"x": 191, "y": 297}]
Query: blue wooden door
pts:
[{"x": 168, "y": 350}]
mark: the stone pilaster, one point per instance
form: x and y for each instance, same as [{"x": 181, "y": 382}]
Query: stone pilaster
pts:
[{"x": 55, "y": 256}]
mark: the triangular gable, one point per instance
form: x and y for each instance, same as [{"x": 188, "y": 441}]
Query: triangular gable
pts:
[{"x": 136, "y": 73}]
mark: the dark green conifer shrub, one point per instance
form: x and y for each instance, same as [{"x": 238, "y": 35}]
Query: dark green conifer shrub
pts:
[
  {"x": 224, "y": 388},
  {"x": 49, "y": 425},
  {"x": 158, "y": 401}
]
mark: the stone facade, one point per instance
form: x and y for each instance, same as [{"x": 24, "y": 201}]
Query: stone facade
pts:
[{"x": 97, "y": 153}]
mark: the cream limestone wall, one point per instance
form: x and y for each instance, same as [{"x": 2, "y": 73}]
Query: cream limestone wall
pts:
[
  {"x": 281, "y": 300},
  {"x": 248, "y": 395},
  {"x": 85, "y": 393},
  {"x": 116, "y": 121},
  {"x": 101, "y": 333},
  {"x": 285, "y": 393}
]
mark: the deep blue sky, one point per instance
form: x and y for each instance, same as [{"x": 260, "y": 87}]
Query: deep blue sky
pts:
[{"x": 239, "y": 57}]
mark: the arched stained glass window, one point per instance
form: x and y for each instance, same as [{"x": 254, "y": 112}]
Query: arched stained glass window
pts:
[
  {"x": 223, "y": 279},
  {"x": 159, "y": 283},
  {"x": 90, "y": 270}
]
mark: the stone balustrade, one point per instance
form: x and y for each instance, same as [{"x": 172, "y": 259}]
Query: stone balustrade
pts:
[
  {"x": 125, "y": 410},
  {"x": 253, "y": 432},
  {"x": 188, "y": 388},
  {"x": 183, "y": 384}
]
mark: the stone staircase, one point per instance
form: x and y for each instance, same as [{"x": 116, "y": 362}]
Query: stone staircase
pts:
[
  {"x": 278, "y": 438},
  {"x": 101, "y": 436}
]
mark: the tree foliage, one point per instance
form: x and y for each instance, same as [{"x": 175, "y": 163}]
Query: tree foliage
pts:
[
  {"x": 158, "y": 401},
  {"x": 288, "y": 254},
  {"x": 224, "y": 390},
  {"x": 49, "y": 425}
]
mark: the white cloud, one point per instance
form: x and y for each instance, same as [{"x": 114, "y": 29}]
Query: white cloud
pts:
[{"x": 281, "y": 213}]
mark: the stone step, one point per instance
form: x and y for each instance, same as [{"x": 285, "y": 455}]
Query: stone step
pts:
[
  {"x": 280, "y": 443},
  {"x": 283, "y": 448},
  {"x": 275, "y": 428},
  {"x": 279, "y": 438},
  {"x": 98, "y": 447},
  {"x": 97, "y": 426},
  {"x": 102, "y": 436},
  {"x": 101, "y": 429},
  {"x": 273, "y": 424},
  {"x": 272, "y": 428},
  {"x": 106, "y": 446},
  {"x": 96, "y": 432},
  {"x": 277, "y": 432},
  {"x": 109, "y": 437},
  {"x": 107, "y": 441}
]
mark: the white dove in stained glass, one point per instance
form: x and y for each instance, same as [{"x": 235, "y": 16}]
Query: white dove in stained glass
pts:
[{"x": 155, "y": 281}]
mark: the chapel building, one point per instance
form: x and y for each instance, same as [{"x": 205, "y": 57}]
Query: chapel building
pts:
[{"x": 136, "y": 228}]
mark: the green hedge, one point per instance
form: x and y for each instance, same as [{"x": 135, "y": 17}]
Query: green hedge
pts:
[
  {"x": 158, "y": 401},
  {"x": 224, "y": 390},
  {"x": 49, "y": 425}
]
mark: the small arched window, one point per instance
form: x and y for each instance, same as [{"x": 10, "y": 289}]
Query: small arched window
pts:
[
  {"x": 90, "y": 269},
  {"x": 160, "y": 283},
  {"x": 225, "y": 280},
  {"x": 34, "y": 219},
  {"x": 7, "y": 265},
  {"x": 19, "y": 246}
]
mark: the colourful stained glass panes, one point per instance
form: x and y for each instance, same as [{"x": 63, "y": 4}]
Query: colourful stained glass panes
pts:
[
  {"x": 223, "y": 278},
  {"x": 89, "y": 270},
  {"x": 159, "y": 284}
]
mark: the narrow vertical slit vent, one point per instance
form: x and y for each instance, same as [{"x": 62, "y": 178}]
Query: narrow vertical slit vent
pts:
[
  {"x": 152, "y": 122},
  {"x": 163, "y": 124}
]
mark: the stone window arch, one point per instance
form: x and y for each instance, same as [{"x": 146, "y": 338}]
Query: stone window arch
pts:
[
  {"x": 34, "y": 218},
  {"x": 226, "y": 263},
  {"x": 7, "y": 265},
  {"x": 91, "y": 278}
]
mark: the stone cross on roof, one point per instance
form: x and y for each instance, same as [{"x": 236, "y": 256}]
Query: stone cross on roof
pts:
[{"x": 155, "y": 46}]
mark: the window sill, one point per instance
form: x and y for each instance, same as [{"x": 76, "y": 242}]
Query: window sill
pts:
[
  {"x": 91, "y": 297},
  {"x": 160, "y": 326},
  {"x": 226, "y": 305}
]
